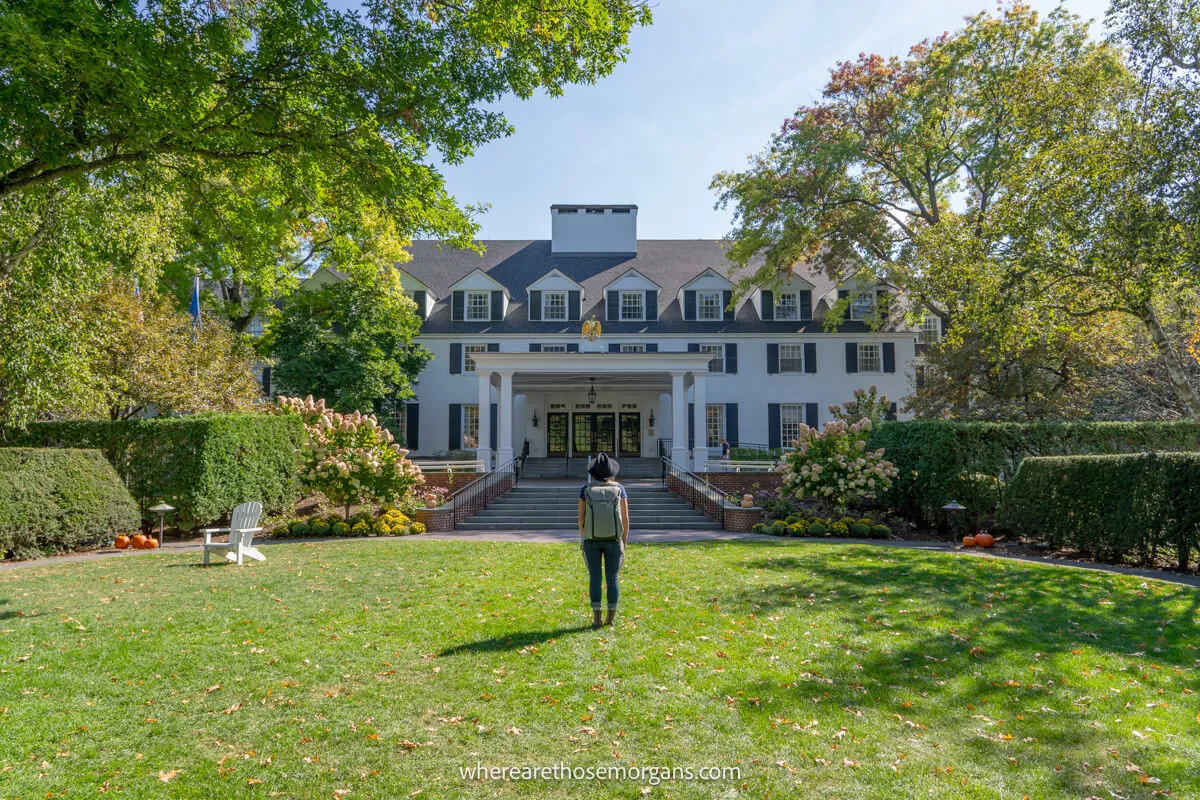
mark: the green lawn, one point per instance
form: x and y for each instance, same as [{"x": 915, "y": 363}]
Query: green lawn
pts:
[{"x": 379, "y": 669}]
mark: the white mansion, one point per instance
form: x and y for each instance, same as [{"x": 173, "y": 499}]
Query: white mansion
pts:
[{"x": 675, "y": 371}]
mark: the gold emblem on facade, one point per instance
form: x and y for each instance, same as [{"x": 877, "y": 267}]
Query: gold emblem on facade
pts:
[{"x": 591, "y": 330}]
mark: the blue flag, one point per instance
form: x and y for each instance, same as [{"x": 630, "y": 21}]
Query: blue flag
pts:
[{"x": 195, "y": 307}]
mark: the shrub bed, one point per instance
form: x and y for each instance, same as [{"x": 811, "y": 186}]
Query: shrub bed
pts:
[
  {"x": 1109, "y": 506},
  {"x": 53, "y": 500},
  {"x": 965, "y": 461},
  {"x": 204, "y": 465}
]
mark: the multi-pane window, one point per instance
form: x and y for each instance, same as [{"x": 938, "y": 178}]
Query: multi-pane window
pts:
[
  {"x": 479, "y": 306},
  {"x": 717, "y": 354},
  {"x": 791, "y": 358},
  {"x": 708, "y": 306},
  {"x": 787, "y": 306},
  {"x": 633, "y": 306},
  {"x": 470, "y": 425},
  {"x": 862, "y": 306},
  {"x": 554, "y": 305},
  {"x": 633, "y": 348},
  {"x": 399, "y": 425},
  {"x": 714, "y": 424},
  {"x": 468, "y": 351},
  {"x": 554, "y": 348},
  {"x": 868, "y": 358},
  {"x": 931, "y": 329},
  {"x": 255, "y": 328},
  {"x": 791, "y": 420}
]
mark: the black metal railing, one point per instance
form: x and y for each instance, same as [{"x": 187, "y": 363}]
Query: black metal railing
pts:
[
  {"x": 690, "y": 487},
  {"x": 485, "y": 490}
]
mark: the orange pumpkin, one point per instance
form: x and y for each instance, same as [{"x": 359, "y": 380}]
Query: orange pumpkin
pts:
[
  {"x": 969, "y": 541},
  {"x": 985, "y": 540},
  {"x": 121, "y": 542},
  {"x": 151, "y": 543},
  {"x": 138, "y": 541}
]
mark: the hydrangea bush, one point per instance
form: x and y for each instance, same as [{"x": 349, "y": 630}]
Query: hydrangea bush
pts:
[
  {"x": 351, "y": 458},
  {"x": 867, "y": 403},
  {"x": 835, "y": 466}
]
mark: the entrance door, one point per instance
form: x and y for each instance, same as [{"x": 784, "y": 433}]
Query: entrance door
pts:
[
  {"x": 631, "y": 434},
  {"x": 556, "y": 435},
  {"x": 594, "y": 433}
]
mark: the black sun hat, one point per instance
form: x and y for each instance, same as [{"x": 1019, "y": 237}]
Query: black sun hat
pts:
[{"x": 604, "y": 467}]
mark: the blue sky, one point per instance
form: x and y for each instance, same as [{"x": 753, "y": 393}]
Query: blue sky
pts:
[{"x": 704, "y": 87}]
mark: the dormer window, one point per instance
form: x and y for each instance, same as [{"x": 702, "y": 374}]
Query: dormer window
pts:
[
  {"x": 554, "y": 305},
  {"x": 931, "y": 329},
  {"x": 708, "y": 306},
  {"x": 479, "y": 307},
  {"x": 633, "y": 306},
  {"x": 862, "y": 307},
  {"x": 786, "y": 306}
]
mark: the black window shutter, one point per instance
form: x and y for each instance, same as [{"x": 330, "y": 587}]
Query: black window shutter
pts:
[
  {"x": 613, "y": 347},
  {"x": 768, "y": 304},
  {"x": 455, "y": 426},
  {"x": 689, "y": 304},
  {"x": 412, "y": 435},
  {"x": 693, "y": 347},
  {"x": 843, "y": 294},
  {"x": 806, "y": 304},
  {"x": 572, "y": 347},
  {"x": 851, "y": 356},
  {"x": 810, "y": 357},
  {"x": 456, "y": 360},
  {"x": 730, "y": 311},
  {"x": 614, "y": 306},
  {"x": 419, "y": 299},
  {"x": 810, "y": 415},
  {"x": 731, "y": 428},
  {"x": 493, "y": 347},
  {"x": 266, "y": 381},
  {"x": 691, "y": 426},
  {"x": 497, "y": 306},
  {"x": 652, "y": 347},
  {"x": 651, "y": 305},
  {"x": 881, "y": 302},
  {"x": 731, "y": 359},
  {"x": 572, "y": 305},
  {"x": 889, "y": 356},
  {"x": 494, "y": 420},
  {"x": 891, "y": 412},
  {"x": 456, "y": 307},
  {"x": 535, "y": 306},
  {"x": 535, "y": 348},
  {"x": 774, "y": 434},
  {"x": 772, "y": 359}
]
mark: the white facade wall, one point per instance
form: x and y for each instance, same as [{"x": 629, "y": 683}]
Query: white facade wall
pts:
[
  {"x": 751, "y": 388},
  {"x": 602, "y": 232}
]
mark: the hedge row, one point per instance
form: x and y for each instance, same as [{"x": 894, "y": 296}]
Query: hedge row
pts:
[
  {"x": 969, "y": 461},
  {"x": 204, "y": 465},
  {"x": 56, "y": 500},
  {"x": 1109, "y": 506}
]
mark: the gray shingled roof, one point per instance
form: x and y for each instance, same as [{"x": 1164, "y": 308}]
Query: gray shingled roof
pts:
[{"x": 671, "y": 263}]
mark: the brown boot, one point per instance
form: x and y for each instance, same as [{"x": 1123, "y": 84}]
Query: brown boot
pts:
[
  {"x": 612, "y": 612},
  {"x": 596, "y": 619}
]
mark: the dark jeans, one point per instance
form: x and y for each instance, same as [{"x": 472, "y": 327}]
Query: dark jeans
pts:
[{"x": 612, "y": 553}]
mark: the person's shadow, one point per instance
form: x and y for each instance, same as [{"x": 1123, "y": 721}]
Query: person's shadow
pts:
[{"x": 513, "y": 641}]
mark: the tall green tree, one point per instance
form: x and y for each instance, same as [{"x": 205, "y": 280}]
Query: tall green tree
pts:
[{"x": 349, "y": 343}]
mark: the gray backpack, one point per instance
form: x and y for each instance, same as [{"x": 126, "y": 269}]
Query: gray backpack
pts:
[{"x": 602, "y": 517}]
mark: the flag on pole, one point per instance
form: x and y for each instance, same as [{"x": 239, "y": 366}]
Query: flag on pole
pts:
[{"x": 195, "y": 306}]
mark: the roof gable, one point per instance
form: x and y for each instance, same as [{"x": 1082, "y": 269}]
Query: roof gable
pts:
[
  {"x": 631, "y": 279},
  {"x": 708, "y": 279},
  {"x": 478, "y": 280},
  {"x": 554, "y": 280}
]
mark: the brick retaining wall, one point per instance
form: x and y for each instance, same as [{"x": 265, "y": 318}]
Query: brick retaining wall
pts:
[
  {"x": 742, "y": 519},
  {"x": 740, "y": 483},
  {"x": 436, "y": 519}
]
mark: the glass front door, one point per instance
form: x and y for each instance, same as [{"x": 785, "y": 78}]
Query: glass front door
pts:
[
  {"x": 594, "y": 433},
  {"x": 556, "y": 434},
  {"x": 631, "y": 435}
]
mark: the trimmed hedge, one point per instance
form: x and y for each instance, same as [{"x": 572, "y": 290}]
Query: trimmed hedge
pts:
[
  {"x": 204, "y": 465},
  {"x": 968, "y": 461},
  {"x": 1109, "y": 506},
  {"x": 53, "y": 500}
]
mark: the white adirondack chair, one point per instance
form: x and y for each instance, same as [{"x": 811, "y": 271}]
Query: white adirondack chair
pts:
[{"x": 242, "y": 527}]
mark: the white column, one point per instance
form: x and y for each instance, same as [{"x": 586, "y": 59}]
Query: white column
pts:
[
  {"x": 504, "y": 413},
  {"x": 700, "y": 421},
  {"x": 679, "y": 450},
  {"x": 484, "y": 452}
]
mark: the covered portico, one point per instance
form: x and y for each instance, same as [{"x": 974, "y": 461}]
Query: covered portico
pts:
[{"x": 620, "y": 381}]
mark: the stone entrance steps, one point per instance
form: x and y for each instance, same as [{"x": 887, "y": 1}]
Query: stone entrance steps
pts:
[{"x": 533, "y": 507}]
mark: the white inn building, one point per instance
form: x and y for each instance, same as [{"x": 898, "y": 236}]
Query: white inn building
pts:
[{"x": 676, "y": 369}]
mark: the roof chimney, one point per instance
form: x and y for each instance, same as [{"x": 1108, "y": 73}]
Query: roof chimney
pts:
[{"x": 593, "y": 230}]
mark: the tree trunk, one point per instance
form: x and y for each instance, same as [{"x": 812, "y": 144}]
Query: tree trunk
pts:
[{"x": 1170, "y": 359}]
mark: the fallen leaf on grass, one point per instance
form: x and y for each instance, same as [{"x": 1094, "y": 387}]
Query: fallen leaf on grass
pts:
[
  {"x": 167, "y": 777},
  {"x": 233, "y": 708}
]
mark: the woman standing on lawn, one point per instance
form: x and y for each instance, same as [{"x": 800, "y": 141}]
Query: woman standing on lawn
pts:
[{"x": 603, "y": 532}]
